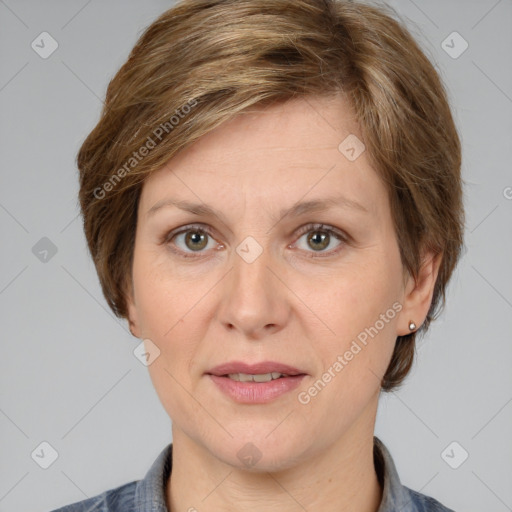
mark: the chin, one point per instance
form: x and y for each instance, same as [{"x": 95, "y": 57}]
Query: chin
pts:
[{"x": 256, "y": 452}]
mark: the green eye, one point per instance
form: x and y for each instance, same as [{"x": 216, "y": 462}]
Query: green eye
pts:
[
  {"x": 319, "y": 238},
  {"x": 195, "y": 239}
]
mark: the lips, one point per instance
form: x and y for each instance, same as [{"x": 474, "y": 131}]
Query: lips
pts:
[
  {"x": 257, "y": 383},
  {"x": 254, "y": 369}
]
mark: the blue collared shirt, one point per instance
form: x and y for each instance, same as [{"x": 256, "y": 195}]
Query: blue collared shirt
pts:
[{"x": 148, "y": 494}]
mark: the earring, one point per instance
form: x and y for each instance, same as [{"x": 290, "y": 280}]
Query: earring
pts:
[{"x": 412, "y": 325}]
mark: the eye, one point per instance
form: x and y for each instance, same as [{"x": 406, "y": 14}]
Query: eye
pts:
[
  {"x": 189, "y": 239},
  {"x": 196, "y": 238},
  {"x": 320, "y": 236}
]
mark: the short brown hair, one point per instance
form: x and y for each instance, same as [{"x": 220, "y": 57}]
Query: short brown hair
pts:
[{"x": 204, "y": 61}]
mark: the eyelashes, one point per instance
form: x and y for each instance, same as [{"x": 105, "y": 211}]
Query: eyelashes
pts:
[
  {"x": 202, "y": 236},
  {"x": 330, "y": 231}
]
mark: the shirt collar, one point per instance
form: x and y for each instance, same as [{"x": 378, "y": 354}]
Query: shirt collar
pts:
[
  {"x": 150, "y": 491},
  {"x": 395, "y": 497}
]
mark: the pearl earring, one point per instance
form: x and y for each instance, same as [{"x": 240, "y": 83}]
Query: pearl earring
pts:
[{"x": 412, "y": 325}]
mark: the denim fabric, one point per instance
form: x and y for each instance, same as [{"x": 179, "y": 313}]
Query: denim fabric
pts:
[{"x": 147, "y": 495}]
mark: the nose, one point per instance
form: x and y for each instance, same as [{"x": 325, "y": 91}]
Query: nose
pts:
[{"x": 254, "y": 300}]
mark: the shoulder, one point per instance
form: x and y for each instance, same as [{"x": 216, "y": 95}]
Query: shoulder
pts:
[
  {"x": 119, "y": 499},
  {"x": 395, "y": 495},
  {"x": 145, "y": 494},
  {"x": 423, "y": 503}
]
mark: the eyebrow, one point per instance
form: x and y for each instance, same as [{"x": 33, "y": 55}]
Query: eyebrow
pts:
[{"x": 317, "y": 205}]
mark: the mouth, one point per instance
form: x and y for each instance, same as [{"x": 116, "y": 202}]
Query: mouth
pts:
[
  {"x": 255, "y": 383},
  {"x": 266, "y": 368},
  {"x": 255, "y": 377}
]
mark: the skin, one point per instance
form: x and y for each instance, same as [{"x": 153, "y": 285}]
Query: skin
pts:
[{"x": 285, "y": 306}]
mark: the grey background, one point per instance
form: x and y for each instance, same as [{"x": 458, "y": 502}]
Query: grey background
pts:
[{"x": 68, "y": 374}]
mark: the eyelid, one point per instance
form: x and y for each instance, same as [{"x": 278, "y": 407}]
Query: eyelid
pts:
[
  {"x": 204, "y": 228},
  {"x": 319, "y": 226},
  {"x": 168, "y": 236}
]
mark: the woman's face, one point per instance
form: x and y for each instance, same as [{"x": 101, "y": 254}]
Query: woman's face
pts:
[{"x": 258, "y": 286}]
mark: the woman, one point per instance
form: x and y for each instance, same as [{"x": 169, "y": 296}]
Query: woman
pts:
[{"x": 272, "y": 199}]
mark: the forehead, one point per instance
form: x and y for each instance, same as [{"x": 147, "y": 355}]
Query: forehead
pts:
[{"x": 272, "y": 156}]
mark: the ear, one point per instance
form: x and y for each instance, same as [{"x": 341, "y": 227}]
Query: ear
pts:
[
  {"x": 418, "y": 294},
  {"x": 133, "y": 318}
]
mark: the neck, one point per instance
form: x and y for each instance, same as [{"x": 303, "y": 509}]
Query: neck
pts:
[{"x": 340, "y": 478}]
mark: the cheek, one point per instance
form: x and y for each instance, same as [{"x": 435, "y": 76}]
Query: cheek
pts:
[
  {"x": 165, "y": 308},
  {"x": 161, "y": 296},
  {"x": 360, "y": 308},
  {"x": 355, "y": 356},
  {"x": 355, "y": 298}
]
